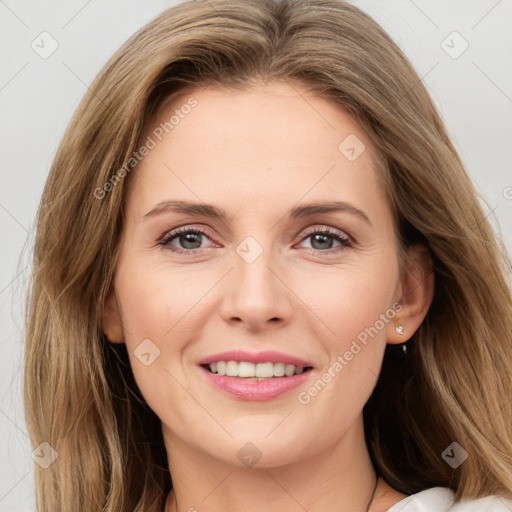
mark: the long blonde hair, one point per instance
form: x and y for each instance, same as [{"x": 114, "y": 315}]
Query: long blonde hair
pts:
[{"x": 455, "y": 385}]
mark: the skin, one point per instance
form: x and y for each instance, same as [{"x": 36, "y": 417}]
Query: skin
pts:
[{"x": 257, "y": 154}]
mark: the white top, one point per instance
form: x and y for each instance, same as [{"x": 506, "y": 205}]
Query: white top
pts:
[{"x": 441, "y": 499}]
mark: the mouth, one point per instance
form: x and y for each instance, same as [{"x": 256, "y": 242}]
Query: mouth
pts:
[
  {"x": 244, "y": 380},
  {"x": 246, "y": 375},
  {"x": 255, "y": 371}
]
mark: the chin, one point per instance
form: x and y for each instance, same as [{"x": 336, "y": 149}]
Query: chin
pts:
[{"x": 258, "y": 450}]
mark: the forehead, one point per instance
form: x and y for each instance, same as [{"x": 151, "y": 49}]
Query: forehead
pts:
[
  {"x": 277, "y": 117},
  {"x": 274, "y": 143}
]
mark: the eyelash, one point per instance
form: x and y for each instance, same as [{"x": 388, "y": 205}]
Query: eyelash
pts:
[{"x": 345, "y": 241}]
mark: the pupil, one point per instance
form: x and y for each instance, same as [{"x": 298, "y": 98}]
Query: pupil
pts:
[
  {"x": 190, "y": 238},
  {"x": 321, "y": 237}
]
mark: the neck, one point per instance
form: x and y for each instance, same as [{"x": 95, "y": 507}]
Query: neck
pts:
[{"x": 339, "y": 479}]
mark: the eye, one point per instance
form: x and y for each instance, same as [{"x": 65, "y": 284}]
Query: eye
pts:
[
  {"x": 322, "y": 239},
  {"x": 189, "y": 238}
]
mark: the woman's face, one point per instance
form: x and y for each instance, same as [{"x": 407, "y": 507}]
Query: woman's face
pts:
[{"x": 318, "y": 289}]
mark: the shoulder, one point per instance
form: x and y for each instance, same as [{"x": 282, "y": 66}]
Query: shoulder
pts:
[{"x": 441, "y": 499}]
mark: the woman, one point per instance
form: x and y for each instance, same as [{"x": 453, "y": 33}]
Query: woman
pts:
[{"x": 263, "y": 280}]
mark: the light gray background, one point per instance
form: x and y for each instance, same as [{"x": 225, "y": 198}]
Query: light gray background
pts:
[{"x": 38, "y": 96}]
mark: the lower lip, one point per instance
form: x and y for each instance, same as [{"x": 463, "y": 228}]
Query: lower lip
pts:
[{"x": 251, "y": 389}]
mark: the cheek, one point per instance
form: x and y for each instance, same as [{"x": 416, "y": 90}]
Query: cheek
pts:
[
  {"x": 351, "y": 308},
  {"x": 163, "y": 310},
  {"x": 156, "y": 299},
  {"x": 150, "y": 307},
  {"x": 351, "y": 314},
  {"x": 349, "y": 299},
  {"x": 151, "y": 312}
]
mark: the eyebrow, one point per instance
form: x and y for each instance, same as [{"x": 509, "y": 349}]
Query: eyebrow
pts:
[{"x": 207, "y": 210}]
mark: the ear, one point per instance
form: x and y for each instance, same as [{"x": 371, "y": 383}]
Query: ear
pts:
[
  {"x": 417, "y": 293},
  {"x": 111, "y": 320}
]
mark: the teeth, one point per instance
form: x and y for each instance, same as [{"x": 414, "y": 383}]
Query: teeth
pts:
[
  {"x": 264, "y": 370},
  {"x": 221, "y": 367},
  {"x": 289, "y": 370},
  {"x": 232, "y": 369},
  {"x": 246, "y": 369},
  {"x": 258, "y": 371},
  {"x": 278, "y": 369}
]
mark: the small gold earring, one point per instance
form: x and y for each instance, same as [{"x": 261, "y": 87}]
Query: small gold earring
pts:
[{"x": 400, "y": 330}]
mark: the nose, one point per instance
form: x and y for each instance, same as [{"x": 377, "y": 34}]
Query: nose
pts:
[{"x": 256, "y": 294}]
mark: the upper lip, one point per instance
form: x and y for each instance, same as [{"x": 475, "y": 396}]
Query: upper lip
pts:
[{"x": 266, "y": 356}]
